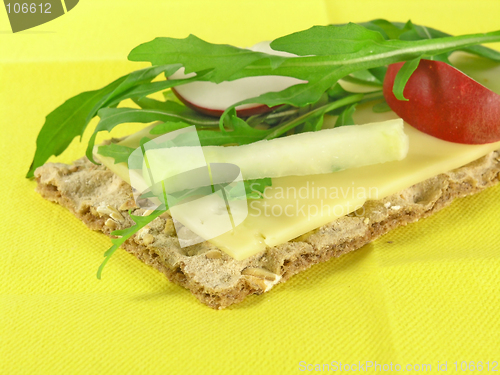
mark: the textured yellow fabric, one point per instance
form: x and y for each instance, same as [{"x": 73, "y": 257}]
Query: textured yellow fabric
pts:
[{"x": 422, "y": 294}]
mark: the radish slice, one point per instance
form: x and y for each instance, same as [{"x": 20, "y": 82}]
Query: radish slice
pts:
[
  {"x": 214, "y": 98},
  {"x": 446, "y": 103}
]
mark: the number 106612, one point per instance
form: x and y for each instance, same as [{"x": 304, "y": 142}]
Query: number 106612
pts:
[{"x": 28, "y": 8}]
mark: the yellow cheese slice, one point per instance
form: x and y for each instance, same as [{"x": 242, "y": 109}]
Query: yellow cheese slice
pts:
[{"x": 297, "y": 204}]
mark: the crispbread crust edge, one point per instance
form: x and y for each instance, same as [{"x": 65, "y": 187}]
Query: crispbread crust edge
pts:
[{"x": 93, "y": 193}]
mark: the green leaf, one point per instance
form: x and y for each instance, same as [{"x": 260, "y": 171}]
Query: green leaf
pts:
[
  {"x": 410, "y": 31},
  {"x": 255, "y": 188},
  {"x": 142, "y": 90},
  {"x": 66, "y": 122},
  {"x": 137, "y": 78},
  {"x": 329, "y": 40},
  {"x": 337, "y": 43},
  {"x": 284, "y": 128},
  {"x": 179, "y": 112},
  {"x": 425, "y": 32},
  {"x": 117, "y": 152},
  {"x": 313, "y": 124},
  {"x": 403, "y": 76},
  {"x": 125, "y": 234},
  {"x": 196, "y": 55},
  {"x": 379, "y": 72},
  {"x": 323, "y": 71},
  {"x": 70, "y": 119},
  {"x": 298, "y": 95},
  {"x": 111, "y": 117},
  {"x": 149, "y": 103},
  {"x": 239, "y": 133},
  {"x": 169, "y": 96},
  {"x": 364, "y": 77},
  {"x": 337, "y": 92},
  {"x": 340, "y": 51},
  {"x": 352, "y": 47},
  {"x": 169, "y": 126},
  {"x": 381, "y": 107},
  {"x": 389, "y": 30},
  {"x": 345, "y": 118}
]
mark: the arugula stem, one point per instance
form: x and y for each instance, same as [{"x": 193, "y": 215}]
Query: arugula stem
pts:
[
  {"x": 289, "y": 112},
  {"x": 350, "y": 63},
  {"x": 321, "y": 62},
  {"x": 370, "y": 97},
  {"x": 282, "y": 129},
  {"x": 140, "y": 222}
]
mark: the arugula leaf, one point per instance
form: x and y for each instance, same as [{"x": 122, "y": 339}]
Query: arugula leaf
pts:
[
  {"x": 282, "y": 129},
  {"x": 364, "y": 77},
  {"x": 196, "y": 55},
  {"x": 66, "y": 122},
  {"x": 359, "y": 51},
  {"x": 379, "y": 73},
  {"x": 337, "y": 92},
  {"x": 355, "y": 41},
  {"x": 428, "y": 32},
  {"x": 354, "y": 52},
  {"x": 381, "y": 107},
  {"x": 324, "y": 70},
  {"x": 111, "y": 117},
  {"x": 329, "y": 40},
  {"x": 389, "y": 30},
  {"x": 168, "y": 126},
  {"x": 125, "y": 234},
  {"x": 117, "y": 152},
  {"x": 238, "y": 132},
  {"x": 345, "y": 117},
  {"x": 255, "y": 188},
  {"x": 313, "y": 124},
  {"x": 168, "y": 105},
  {"x": 403, "y": 76},
  {"x": 409, "y": 31},
  {"x": 70, "y": 119},
  {"x": 139, "y": 77},
  {"x": 142, "y": 90},
  {"x": 178, "y": 111}
]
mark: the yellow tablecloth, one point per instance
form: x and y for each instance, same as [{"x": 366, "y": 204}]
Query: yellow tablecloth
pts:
[{"x": 423, "y": 294}]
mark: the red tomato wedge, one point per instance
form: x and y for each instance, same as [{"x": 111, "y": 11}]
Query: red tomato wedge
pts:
[{"x": 446, "y": 103}]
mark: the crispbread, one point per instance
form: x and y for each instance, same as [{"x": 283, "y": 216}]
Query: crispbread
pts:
[{"x": 101, "y": 200}]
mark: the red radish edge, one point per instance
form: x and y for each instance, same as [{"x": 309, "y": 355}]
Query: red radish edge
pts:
[
  {"x": 250, "y": 111},
  {"x": 446, "y": 103}
]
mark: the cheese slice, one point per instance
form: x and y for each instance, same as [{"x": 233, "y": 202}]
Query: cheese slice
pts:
[{"x": 295, "y": 205}]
